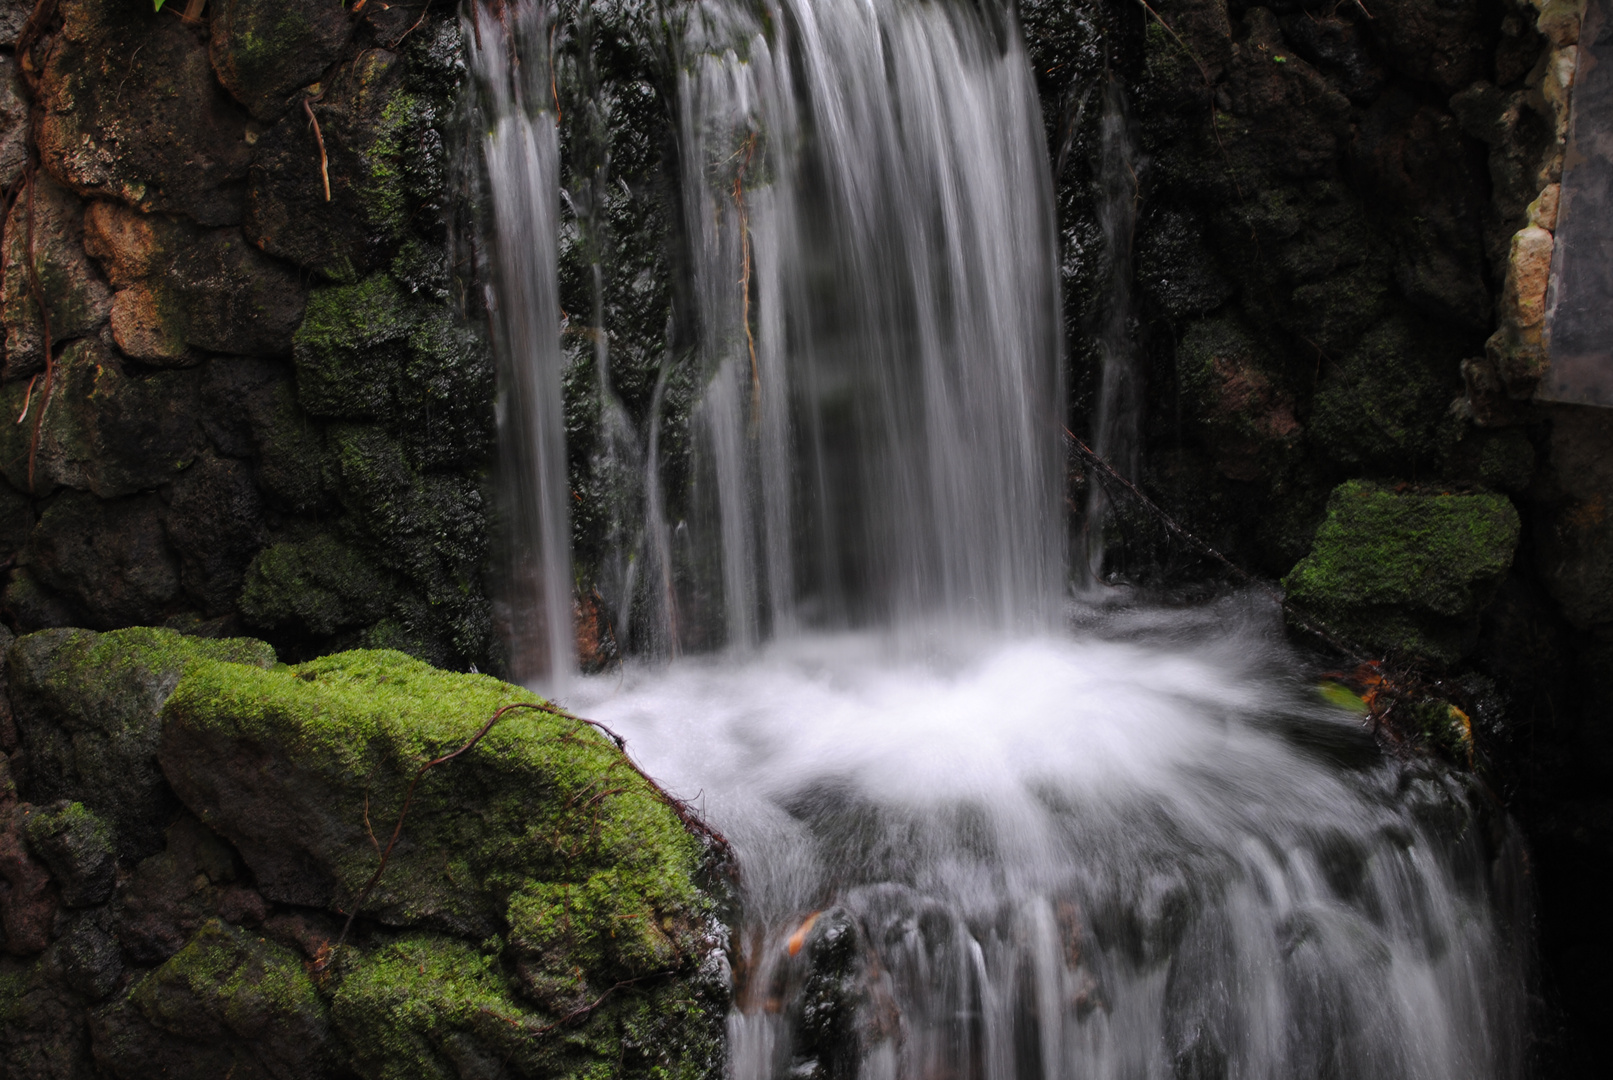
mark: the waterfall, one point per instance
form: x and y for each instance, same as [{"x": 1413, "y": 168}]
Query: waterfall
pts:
[
  {"x": 986, "y": 833},
  {"x": 1116, "y": 424},
  {"x": 520, "y": 152},
  {"x": 874, "y": 265}
]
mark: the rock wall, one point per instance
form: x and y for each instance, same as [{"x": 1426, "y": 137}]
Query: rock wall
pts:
[
  {"x": 245, "y": 383},
  {"x": 184, "y": 824},
  {"x": 1345, "y": 217}
]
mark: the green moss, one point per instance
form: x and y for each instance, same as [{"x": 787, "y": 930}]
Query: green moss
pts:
[
  {"x": 541, "y": 798},
  {"x": 1406, "y": 571},
  {"x": 1385, "y": 404},
  {"x": 241, "y": 980},
  {"x": 350, "y": 346},
  {"x": 79, "y": 849},
  {"x": 87, "y": 707},
  {"x": 428, "y": 1006},
  {"x": 318, "y": 584}
]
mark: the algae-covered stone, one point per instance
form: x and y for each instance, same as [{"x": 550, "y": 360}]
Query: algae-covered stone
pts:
[
  {"x": 299, "y": 766},
  {"x": 1407, "y": 571},
  {"x": 228, "y": 1004},
  {"x": 77, "y": 846},
  {"x": 87, "y": 708},
  {"x": 316, "y": 584},
  {"x": 43, "y": 1027},
  {"x": 265, "y": 52},
  {"x": 432, "y": 1008},
  {"x": 350, "y": 348}
]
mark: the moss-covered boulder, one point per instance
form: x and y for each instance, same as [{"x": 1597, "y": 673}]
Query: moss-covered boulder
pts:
[
  {"x": 87, "y": 708},
  {"x": 1406, "y": 571},
  {"x": 228, "y": 1004}
]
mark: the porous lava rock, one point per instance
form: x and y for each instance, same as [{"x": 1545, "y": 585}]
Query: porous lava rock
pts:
[
  {"x": 545, "y": 912},
  {"x": 130, "y": 110},
  {"x": 1407, "y": 570}
]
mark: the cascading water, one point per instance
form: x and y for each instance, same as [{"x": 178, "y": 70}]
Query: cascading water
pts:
[
  {"x": 1115, "y": 429},
  {"x": 521, "y": 156},
  {"x": 870, "y": 210},
  {"x": 1136, "y": 846},
  {"x": 1147, "y": 851}
]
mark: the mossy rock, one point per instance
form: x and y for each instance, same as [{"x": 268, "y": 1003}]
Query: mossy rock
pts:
[
  {"x": 303, "y": 768},
  {"x": 228, "y": 1004},
  {"x": 87, "y": 709},
  {"x": 1406, "y": 571},
  {"x": 78, "y": 848},
  {"x": 317, "y": 584}
]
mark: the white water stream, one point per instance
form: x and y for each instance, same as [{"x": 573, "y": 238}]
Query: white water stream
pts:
[
  {"x": 1146, "y": 849},
  {"x": 984, "y": 834}
]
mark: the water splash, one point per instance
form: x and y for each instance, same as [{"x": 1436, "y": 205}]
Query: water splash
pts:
[
  {"x": 1145, "y": 851},
  {"x": 509, "y": 61}
]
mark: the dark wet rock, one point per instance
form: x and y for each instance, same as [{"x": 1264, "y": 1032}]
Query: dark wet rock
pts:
[
  {"x": 319, "y": 585},
  {"x": 181, "y": 288},
  {"x": 44, "y": 1029},
  {"x": 31, "y": 606},
  {"x": 265, "y": 53},
  {"x": 1248, "y": 420},
  {"x": 171, "y": 894},
  {"x": 13, "y": 120},
  {"x": 377, "y": 137},
  {"x": 130, "y": 110},
  {"x": 227, "y": 1004},
  {"x": 103, "y": 431},
  {"x": 1386, "y": 402},
  {"x": 9, "y": 739},
  {"x": 1406, "y": 570},
  {"x": 1574, "y": 532},
  {"x": 76, "y": 298},
  {"x": 1287, "y": 114},
  {"x": 214, "y": 522},
  {"x": 87, "y": 707},
  {"x": 28, "y": 899},
  {"x": 250, "y": 410},
  {"x": 13, "y": 13},
  {"x": 1446, "y": 44},
  {"x": 108, "y": 558},
  {"x": 16, "y": 522},
  {"x": 87, "y": 958},
  {"x": 78, "y": 848}
]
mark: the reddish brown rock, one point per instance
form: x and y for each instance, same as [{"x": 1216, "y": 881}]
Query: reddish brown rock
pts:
[
  {"x": 76, "y": 298},
  {"x": 27, "y": 900},
  {"x": 130, "y": 110},
  {"x": 181, "y": 289}
]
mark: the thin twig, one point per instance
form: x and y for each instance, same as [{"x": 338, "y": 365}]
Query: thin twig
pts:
[
  {"x": 38, "y": 292},
  {"x": 1305, "y": 620},
  {"x": 28, "y": 398},
  {"x": 319, "y": 137}
]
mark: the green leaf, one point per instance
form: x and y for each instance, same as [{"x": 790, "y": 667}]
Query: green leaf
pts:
[{"x": 156, "y": 5}]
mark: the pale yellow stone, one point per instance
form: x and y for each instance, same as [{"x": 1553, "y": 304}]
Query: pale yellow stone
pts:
[
  {"x": 1528, "y": 273},
  {"x": 1543, "y": 211}
]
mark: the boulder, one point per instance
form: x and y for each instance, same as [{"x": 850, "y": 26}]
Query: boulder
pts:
[
  {"x": 265, "y": 52},
  {"x": 129, "y": 110},
  {"x": 13, "y": 119},
  {"x": 87, "y": 708},
  {"x": 102, "y": 431},
  {"x": 1406, "y": 571},
  {"x": 227, "y": 1004},
  {"x": 77, "y": 300},
  {"x": 78, "y": 848},
  {"x": 108, "y": 558},
  {"x": 181, "y": 288},
  {"x": 214, "y": 524}
]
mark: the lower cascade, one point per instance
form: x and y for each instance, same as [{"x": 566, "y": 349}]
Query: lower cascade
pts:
[
  {"x": 985, "y": 831},
  {"x": 1141, "y": 850}
]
